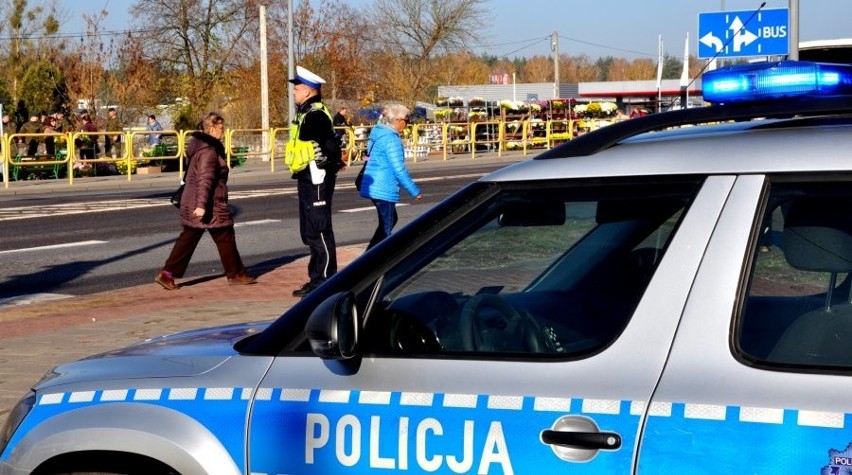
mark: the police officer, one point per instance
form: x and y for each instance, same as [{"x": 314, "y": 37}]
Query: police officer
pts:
[{"x": 313, "y": 155}]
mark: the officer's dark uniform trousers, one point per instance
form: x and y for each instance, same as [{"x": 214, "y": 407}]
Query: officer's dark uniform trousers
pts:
[{"x": 315, "y": 225}]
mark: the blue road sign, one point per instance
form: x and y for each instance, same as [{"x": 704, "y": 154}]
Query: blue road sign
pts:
[{"x": 743, "y": 33}]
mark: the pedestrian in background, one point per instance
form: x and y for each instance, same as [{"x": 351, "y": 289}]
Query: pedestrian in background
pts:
[
  {"x": 33, "y": 126},
  {"x": 204, "y": 206},
  {"x": 385, "y": 171},
  {"x": 112, "y": 141},
  {"x": 340, "y": 119},
  {"x": 313, "y": 155},
  {"x": 153, "y": 125},
  {"x": 49, "y": 127}
]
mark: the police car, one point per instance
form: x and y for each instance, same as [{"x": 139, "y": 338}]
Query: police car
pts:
[{"x": 648, "y": 298}]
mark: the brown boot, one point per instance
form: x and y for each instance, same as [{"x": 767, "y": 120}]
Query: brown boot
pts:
[
  {"x": 241, "y": 279},
  {"x": 166, "y": 280}
]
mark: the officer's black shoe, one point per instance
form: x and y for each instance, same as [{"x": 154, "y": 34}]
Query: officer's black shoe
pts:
[{"x": 304, "y": 290}]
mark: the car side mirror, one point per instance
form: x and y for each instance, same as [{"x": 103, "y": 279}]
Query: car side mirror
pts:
[{"x": 332, "y": 328}]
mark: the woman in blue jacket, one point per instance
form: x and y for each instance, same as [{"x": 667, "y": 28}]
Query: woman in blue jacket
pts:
[{"x": 386, "y": 172}]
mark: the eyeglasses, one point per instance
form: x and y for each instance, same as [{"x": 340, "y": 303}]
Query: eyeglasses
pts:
[{"x": 404, "y": 119}]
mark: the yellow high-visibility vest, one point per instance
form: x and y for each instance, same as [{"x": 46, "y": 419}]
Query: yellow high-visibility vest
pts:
[{"x": 298, "y": 153}]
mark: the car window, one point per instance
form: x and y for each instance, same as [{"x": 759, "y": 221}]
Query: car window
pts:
[
  {"x": 547, "y": 271},
  {"x": 797, "y": 311}
]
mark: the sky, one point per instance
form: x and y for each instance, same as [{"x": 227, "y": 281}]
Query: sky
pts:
[{"x": 598, "y": 28}]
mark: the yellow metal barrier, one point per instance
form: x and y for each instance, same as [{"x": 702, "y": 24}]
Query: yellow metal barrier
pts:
[
  {"x": 428, "y": 138},
  {"x": 278, "y": 146},
  {"x": 493, "y": 136},
  {"x": 457, "y": 138},
  {"x": 559, "y": 131},
  {"x": 84, "y": 148},
  {"x": 21, "y": 160},
  {"x": 361, "y": 133},
  {"x": 247, "y": 143},
  {"x": 241, "y": 144},
  {"x": 4, "y": 159}
]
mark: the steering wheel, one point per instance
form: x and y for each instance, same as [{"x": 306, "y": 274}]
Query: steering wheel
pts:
[{"x": 518, "y": 333}]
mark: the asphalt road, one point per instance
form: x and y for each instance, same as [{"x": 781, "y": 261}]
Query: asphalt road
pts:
[{"x": 77, "y": 243}]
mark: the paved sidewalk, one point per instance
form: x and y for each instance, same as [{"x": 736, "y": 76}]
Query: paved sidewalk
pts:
[
  {"x": 35, "y": 337},
  {"x": 38, "y": 336}
]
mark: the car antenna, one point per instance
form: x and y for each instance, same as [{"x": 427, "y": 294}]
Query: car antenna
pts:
[{"x": 749, "y": 19}]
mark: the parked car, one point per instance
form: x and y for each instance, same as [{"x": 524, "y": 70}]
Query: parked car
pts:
[{"x": 647, "y": 298}]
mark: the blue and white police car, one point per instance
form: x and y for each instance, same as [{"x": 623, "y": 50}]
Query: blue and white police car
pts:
[{"x": 648, "y": 298}]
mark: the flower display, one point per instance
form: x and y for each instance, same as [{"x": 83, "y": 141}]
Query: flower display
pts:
[
  {"x": 596, "y": 109},
  {"x": 514, "y": 106},
  {"x": 125, "y": 167},
  {"x": 514, "y": 146},
  {"x": 442, "y": 101},
  {"x": 455, "y": 101},
  {"x": 476, "y": 102},
  {"x": 441, "y": 114},
  {"x": 560, "y": 104}
]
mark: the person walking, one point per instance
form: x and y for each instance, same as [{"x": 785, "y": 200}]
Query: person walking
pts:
[
  {"x": 204, "y": 206},
  {"x": 314, "y": 158},
  {"x": 385, "y": 171}
]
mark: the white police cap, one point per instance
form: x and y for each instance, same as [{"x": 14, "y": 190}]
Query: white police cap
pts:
[{"x": 303, "y": 76}]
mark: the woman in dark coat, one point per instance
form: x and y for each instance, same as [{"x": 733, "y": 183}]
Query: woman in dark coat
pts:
[{"x": 204, "y": 205}]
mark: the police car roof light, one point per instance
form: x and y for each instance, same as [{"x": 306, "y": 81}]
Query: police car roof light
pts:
[{"x": 776, "y": 80}]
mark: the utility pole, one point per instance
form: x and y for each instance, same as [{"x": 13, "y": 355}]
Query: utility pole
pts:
[
  {"x": 291, "y": 108},
  {"x": 794, "y": 31},
  {"x": 264, "y": 86},
  {"x": 554, "y": 45}
]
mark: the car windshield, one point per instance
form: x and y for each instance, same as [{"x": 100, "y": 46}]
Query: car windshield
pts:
[{"x": 547, "y": 269}]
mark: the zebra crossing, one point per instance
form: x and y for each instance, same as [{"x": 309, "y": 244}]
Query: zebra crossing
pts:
[{"x": 48, "y": 210}]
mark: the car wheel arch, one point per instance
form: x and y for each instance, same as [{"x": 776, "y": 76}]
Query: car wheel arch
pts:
[{"x": 143, "y": 430}]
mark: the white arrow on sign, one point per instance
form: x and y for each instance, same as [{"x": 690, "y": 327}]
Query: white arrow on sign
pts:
[
  {"x": 742, "y": 37},
  {"x": 711, "y": 41}
]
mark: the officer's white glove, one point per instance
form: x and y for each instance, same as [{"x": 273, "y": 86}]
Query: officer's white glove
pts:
[{"x": 319, "y": 157}]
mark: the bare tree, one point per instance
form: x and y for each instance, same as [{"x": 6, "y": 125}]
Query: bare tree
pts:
[
  {"x": 413, "y": 32},
  {"x": 198, "y": 40},
  {"x": 28, "y": 28}
]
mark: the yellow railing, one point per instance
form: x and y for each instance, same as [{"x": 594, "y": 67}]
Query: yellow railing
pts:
[{"x": 241, "y": 145}]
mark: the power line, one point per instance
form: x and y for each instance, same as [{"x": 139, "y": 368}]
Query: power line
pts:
[
  {"x": 607, "y": 47},
  {"x": 78, "y": 35},
  {"x": 534, "y": 43}
]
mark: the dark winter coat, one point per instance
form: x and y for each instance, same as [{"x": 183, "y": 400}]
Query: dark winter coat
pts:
[
  {"x": 317, "y": 126},
  {"x": 206, "y": 184}
]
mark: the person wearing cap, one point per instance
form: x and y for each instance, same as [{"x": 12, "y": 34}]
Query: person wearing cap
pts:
[
  {"x": 314, "y": 158},
  {"x": 31, "y": 127}
]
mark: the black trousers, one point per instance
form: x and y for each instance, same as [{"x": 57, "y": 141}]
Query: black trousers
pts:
[
  {"x": 184, "y": 247},
  {"x": 315, "y": 225}
]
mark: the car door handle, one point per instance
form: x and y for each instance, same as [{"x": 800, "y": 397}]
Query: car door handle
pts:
[{"x": 582, "y": 440}]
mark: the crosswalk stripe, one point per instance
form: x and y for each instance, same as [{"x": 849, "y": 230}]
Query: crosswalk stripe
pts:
[
  {"x": 53, "y": 246},
  {"x": 43, "y": 211},
  {"x": 367, "y": 208},
  {"x": 31, "y": 298}
]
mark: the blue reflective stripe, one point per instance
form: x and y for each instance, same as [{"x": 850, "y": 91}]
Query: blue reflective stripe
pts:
[
  {"x": 312, "y": 431},
  {"x": 327, "y": 431},
  {"x": 698, "y": 438},
  {"x": 221, "y": 410}
]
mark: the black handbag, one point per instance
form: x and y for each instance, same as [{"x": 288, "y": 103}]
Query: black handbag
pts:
[
  {"x": 360, "y": 177},
  {"x": 175, "y": 199},
  {"x": 176, "y": 196}
]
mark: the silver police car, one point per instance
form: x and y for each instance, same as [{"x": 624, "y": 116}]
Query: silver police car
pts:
[{"x": 669, "y": 294}]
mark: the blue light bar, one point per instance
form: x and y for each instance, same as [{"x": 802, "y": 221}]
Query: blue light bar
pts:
[{"x": 776, "y": 80}]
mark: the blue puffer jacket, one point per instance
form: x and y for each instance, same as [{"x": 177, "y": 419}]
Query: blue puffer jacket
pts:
[{"x": 386, "y": 170}]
